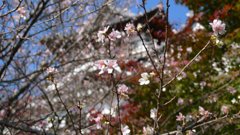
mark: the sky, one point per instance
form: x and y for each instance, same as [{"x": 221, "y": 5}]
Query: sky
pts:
[{"x": 177, "y": 12}]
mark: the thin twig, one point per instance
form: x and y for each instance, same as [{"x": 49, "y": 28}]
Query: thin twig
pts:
[
  {"x": 156, "y": 125},
  {"x": 22, "y": 127},
  {"x": 13, "y": 10},
  {"x": 65, "y": 107},
  {"x": 149, "y": 56}
]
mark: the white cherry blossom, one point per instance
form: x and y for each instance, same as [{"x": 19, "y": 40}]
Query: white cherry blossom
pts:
[
  {"x": 145, "y": 79},
  {"x": 153, "y": 113},
  {"x": 125, "y": 130},
  {"x": 102, "y": 34}
]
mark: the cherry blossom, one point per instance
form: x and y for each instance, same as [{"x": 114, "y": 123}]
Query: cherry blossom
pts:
[
  {"x": 153, "y": 113},
  {"x": 102, "y": 34},
  {"x": 148, "y": 130},
  {"x": 123, "y": 89},
  {"x": 107, "y": 66},
  {"x": 125, "y": 130},
  {"x": 145, "y": 79},
  {"x": 180, "y": 117},
  {"x": 130, "y": 29},
  {"x": 51, "y": 70},
  {"x": 189, "y": 49},
  {"x": 98, "y": 120},
  {"x": 180, "y": 101},
  {"x": 231, "y": 90},
  {"x": 204, "y": 112},
  {"x": 96, "y": 117},
  {"x": 218, "y": 27},
  {"x": 114, "y": 35},
  {"x": 197, "y": 27},
  {"x": 234, "y": 101},
  {"x": 22, "y": 12},
  {"x": 225, "y": 109}
]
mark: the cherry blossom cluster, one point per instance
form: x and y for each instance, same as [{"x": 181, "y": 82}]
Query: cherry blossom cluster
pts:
[
  {"x": 144, "y": 80},
  {"x": 103, "y": 35},
  {"x": 51, "y": 70},
  {"x": 218, "y": 28},
  {"x": 202, "y": 112},
  {"x": 96, "y": 117},
  {"x": 22, "y": 13},
  {"x": 123, "y": 90},
  {"x": 107, "y": 66}
]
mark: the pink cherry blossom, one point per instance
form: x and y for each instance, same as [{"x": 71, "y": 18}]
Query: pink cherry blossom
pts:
[
  {"x": 180, "y": 117},
  {"x": 204, "y": 112},
  {"x": 51, "y": 70},
  {"x": 130, "y": 29},
  {"x": 148, "y": 130},
  {"x": 231, "y": 90},
  {"x": 180, "y": 101},
  {"x": 107, "y": 66},
  {"x": 22, "y": 12},
  {"x": 98, "y": 120},
  {"x": 123, "y": 89},
  {"x": 96, "y": 117},
  {"x": 225, "y": 109},
  {"x": 218, "y": 27},
  {"x": 100, "y": 64},
  {"x": 114, "y": 35}
]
